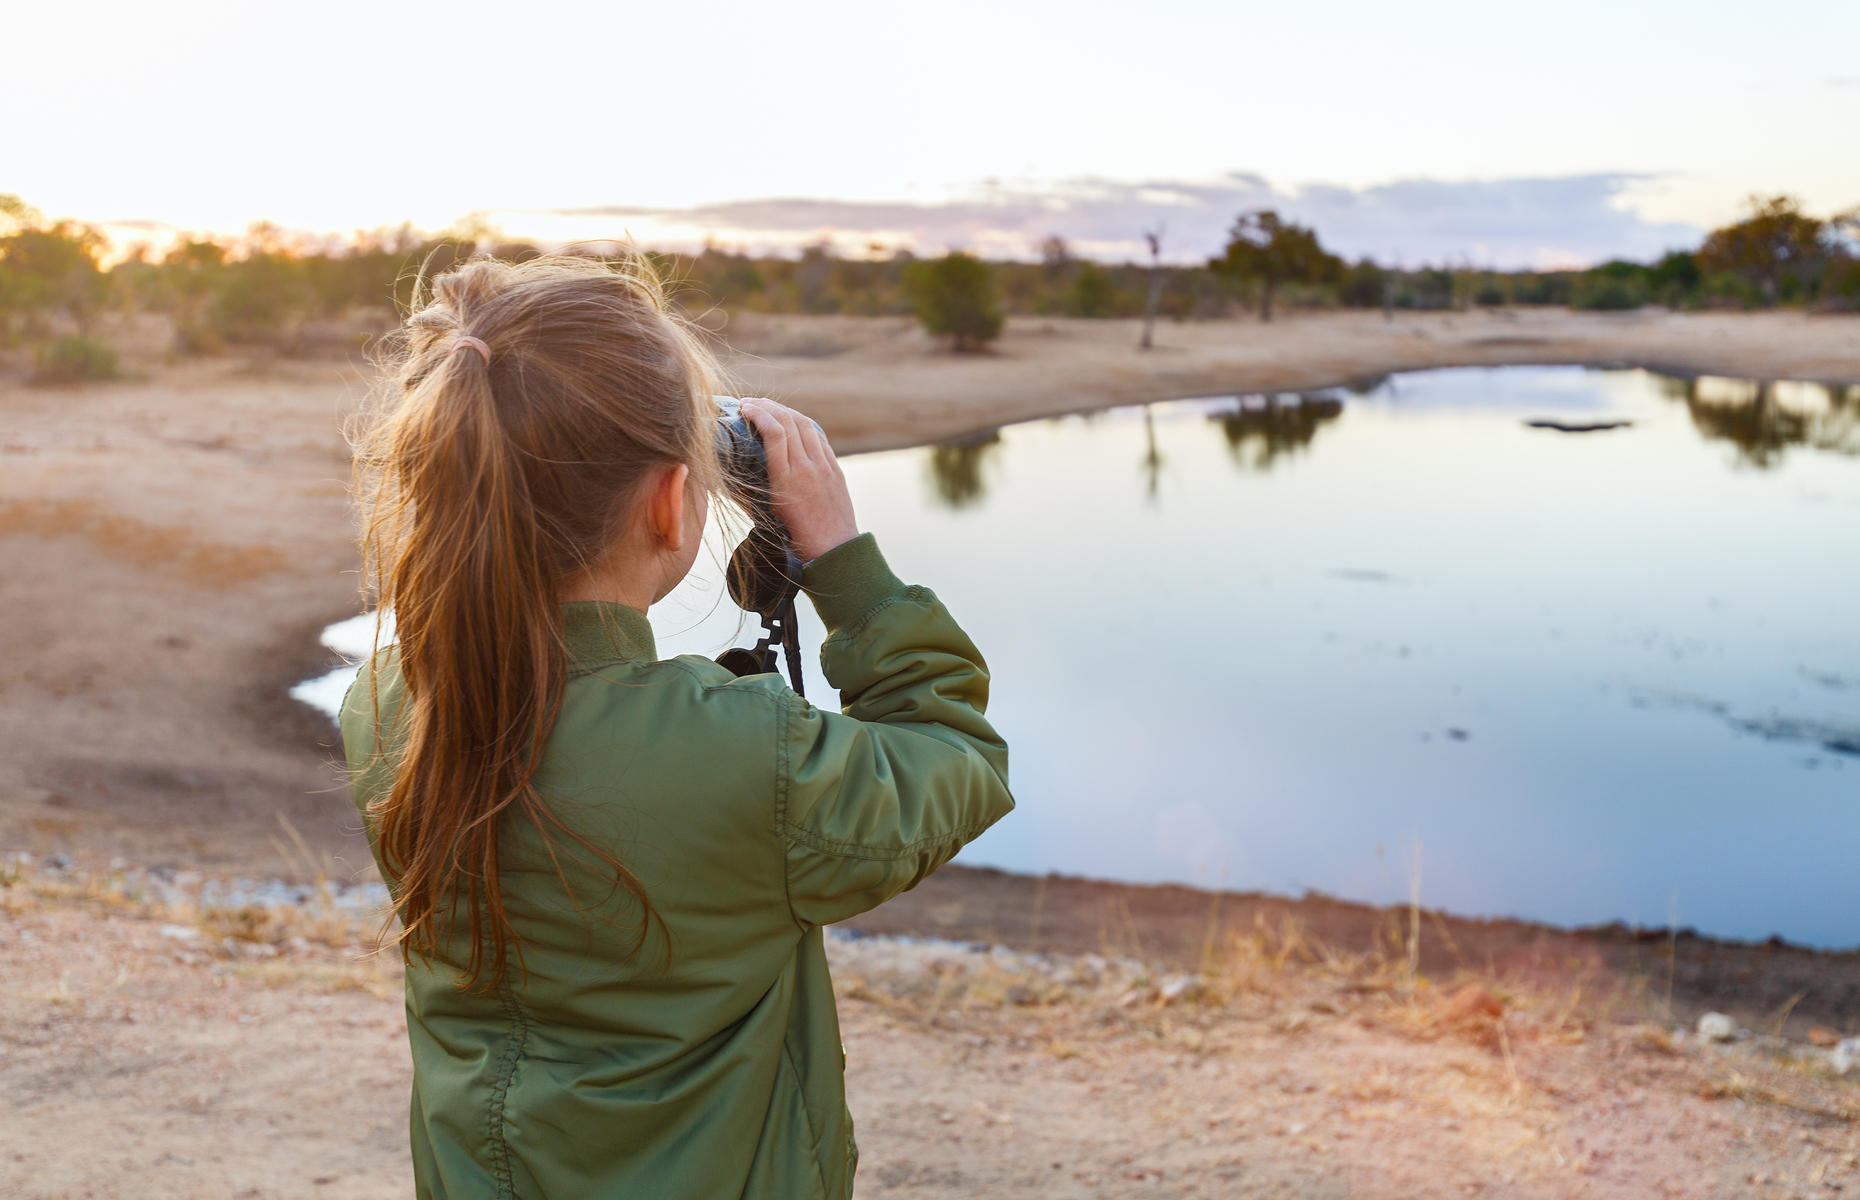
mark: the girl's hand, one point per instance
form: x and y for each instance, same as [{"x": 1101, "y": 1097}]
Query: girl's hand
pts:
[{"x": 807, "y": 488}]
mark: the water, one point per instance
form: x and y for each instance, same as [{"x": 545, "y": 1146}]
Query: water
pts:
[{"x": 1297, "y": 643}]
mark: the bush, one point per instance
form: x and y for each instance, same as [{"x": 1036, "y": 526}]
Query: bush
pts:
[
  {"x": 1364, "y": 286},
  {"x": 1093, "y": 293},
  {"x": 72, "y": 358},
  {"x": 955, "y": 298},
  {"x": 1611, "y": 287}
]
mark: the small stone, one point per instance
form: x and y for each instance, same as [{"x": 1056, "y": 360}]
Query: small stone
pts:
[
  {"x": 1717, "y": 1027},
  {"x": 1821, "y": 1035},
  {"x": 1846, "y": 1055},
  {"x": 59, "y": 861},
  {"x": 946, "y": 1117},
  {"x": 1175, "y": 987},
  {"x": 179, "y": 933}
]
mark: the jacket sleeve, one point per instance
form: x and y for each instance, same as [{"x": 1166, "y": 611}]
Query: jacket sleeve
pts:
[{"x": 875, "y": 797}]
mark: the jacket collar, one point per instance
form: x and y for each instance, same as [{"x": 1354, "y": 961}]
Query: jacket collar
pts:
[{"x": 601, "y": 632}]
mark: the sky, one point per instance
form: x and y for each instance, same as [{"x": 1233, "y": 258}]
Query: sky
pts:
[{"x": 1426, "y": 131}]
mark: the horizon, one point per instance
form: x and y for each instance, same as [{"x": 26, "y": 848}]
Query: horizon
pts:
[{"x": 1537, "y": 224}]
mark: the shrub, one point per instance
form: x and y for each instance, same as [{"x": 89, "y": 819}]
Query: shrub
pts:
[
  {"x": 1364, "y": 285},
  {"x": 955, "y": 298},
  {"x": 1611, "y": 287},
  {"x": 1093, "y": 293},
  {"x": 72, "y": 358}
]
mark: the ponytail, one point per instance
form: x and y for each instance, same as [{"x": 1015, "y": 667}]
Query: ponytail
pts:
[{"x": 529, "y": 402}]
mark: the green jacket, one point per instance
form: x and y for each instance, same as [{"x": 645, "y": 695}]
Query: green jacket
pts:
[{"x": 708, "y": 1064}]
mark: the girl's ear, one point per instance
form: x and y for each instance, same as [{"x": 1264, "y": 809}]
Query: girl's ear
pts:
[{"x": 665, "y": 507}]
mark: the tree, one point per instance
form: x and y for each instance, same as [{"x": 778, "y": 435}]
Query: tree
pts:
[
  {"x": 1154, "y": 238},
  {"x": 46, "y": 267},
  {"x": 1778, "y": 248},
  {"x": 1274, "y": 251},
  {"x": 955, "y": 298}
]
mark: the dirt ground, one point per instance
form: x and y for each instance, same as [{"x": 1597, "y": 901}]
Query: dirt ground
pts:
[
  {"x": 155, "y": 1051},
  {"x": 171, "y": 543}
]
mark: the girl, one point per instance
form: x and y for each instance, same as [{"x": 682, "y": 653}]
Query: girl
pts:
[{"x": 612, "y": 871}]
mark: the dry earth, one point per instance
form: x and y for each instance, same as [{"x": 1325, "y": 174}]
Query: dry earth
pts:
[
  {"x": 171, "y": 543},
  {"x": 155, "y": 1051}
]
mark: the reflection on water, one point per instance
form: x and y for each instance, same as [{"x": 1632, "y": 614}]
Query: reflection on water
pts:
[
  {"x": 1260, "y": 430},
  {"x": 1586, "y": 671},
  {"x": 1764, "y": 420},
  {"x": 1256, "y": 640},
  {"x": 956, "y": 469}
]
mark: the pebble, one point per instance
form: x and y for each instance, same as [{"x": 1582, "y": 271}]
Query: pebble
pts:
[
  {"x": 1175, "y": 987},
  {"x": 179, "y": 933},
  {"x": 1717, "y": 1027},
  {"x": 1846, "y": 1055}
]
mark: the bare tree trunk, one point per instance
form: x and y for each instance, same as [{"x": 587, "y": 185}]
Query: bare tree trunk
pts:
[
  {"x": 1265, "y": 300},
  {"x": 1149, "y": 307}
]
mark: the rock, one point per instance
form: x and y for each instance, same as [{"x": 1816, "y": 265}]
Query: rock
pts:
[
  {"x": 1472, "y": 1001},
  {"x": 1846, "y": 1055},
  {"x": 1821, "y": 1035},
  {"x": 1175, "y": 987},
  {"x": 59, "y": 861},
  {"x": 1717, "y": 1027},
  {"x": 179, "y": 933}
]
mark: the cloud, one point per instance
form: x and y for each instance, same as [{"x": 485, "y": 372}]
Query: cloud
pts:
[{"x": 1548, "y": 222}]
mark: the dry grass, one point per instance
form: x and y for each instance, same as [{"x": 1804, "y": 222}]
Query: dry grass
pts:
[{"x": 190, "y": 915}]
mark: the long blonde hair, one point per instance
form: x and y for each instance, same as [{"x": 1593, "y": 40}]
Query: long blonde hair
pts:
[{"x": 487, "y": 481}]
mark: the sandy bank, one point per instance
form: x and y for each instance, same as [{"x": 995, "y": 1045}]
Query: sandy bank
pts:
[{"x": 876, "y": 383}]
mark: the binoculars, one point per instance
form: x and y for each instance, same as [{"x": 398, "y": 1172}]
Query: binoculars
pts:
[{"x": 764, "y": 576}]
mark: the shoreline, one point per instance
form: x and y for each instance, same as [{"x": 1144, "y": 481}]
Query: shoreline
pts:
[
  {"x": 878, "y": 383},
  {"x": 176, "y": 542},
  {"x": 1176, "y": 925}
]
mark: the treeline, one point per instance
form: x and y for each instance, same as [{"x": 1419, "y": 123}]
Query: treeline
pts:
[{"x": 270, "y": 289}]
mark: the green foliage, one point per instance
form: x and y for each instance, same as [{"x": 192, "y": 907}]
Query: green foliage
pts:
[
  {"x": 1778, "y": 249},
  {"x": 1364, "y": 285},
  {"x": 1264, "y": 247},
  {"x": 1543, "y": 287},
  {"x": 1675, "y": 278},
  {"x": 47, "y": 269},
  {"x": 1612, "y": 287},
  {"x": 1092, "y": 294},
  {"x": 955, "y": 298},
  {"x": 72, "y": 358}
]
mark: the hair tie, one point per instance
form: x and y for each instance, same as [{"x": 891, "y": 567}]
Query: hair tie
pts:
[{"x": 477, "y": 344}]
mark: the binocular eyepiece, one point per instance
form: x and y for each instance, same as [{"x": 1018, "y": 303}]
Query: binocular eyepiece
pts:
[{"x": 764, "y": 576}]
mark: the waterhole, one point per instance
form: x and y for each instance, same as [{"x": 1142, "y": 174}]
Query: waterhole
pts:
[{"x": 1584, "y": 645}]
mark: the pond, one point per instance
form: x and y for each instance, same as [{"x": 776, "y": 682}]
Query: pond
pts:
[{"x": 1564, "y": 644}]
